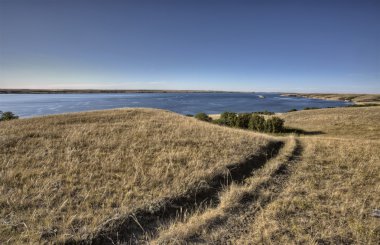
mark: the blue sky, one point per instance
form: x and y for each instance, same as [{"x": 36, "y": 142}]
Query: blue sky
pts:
[{"x": 300, "y": 46}]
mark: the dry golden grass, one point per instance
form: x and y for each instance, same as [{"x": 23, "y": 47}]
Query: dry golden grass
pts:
[
  {"x": 70, "y": 173},
  {"x": 231, "y": 207},
  {"x": 63, "y": 176},
  {"x": 328, "y": 199},
  {"x": 326, "y": 196},
  {"x": 358, "y": 123}
]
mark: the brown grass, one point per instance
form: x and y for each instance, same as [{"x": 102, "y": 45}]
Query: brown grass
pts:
[
  {"x": 68, "y": 174},
  {"x": 355, "y": 123},
  {"x": 202, "y": 224},
  {"x": 63, "y": 176},
  {"x": 327, "y": 196},
  {"x": 328, "y": 199}
]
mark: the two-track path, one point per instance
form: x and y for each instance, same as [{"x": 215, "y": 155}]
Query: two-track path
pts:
[{"x": 144, "y": 225}]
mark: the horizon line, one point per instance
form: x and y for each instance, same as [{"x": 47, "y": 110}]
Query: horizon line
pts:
[{"x": 11, "y": 90}]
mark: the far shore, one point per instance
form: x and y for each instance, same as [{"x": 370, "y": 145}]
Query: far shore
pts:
[
  {"x": 104, "y": 91},
  {"x": 354, "y": 98}
]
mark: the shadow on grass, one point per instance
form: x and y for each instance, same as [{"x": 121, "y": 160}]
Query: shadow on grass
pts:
[
  {"x": 298, "y": 131},
  {"x": 137, "y": 227}
]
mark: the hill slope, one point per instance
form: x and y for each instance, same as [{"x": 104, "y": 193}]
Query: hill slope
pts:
[
  {"x": 66, "y": 177},
  {"x": 354, "y": 123},
  {"x": 320, "y": 189},
  {"x": 137, "y": 175}
]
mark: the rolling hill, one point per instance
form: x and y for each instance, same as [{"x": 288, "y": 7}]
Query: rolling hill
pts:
[{"x": 138, "y": 175}]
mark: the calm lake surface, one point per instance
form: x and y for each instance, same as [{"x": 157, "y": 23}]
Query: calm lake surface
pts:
[{"x": 28, "y": 105}]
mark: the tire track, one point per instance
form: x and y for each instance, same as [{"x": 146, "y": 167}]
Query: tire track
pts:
[
  {"x": 252, "y": 204},
  {"x": 142, "y": 224},
  {"x": 229, "y": 220}
]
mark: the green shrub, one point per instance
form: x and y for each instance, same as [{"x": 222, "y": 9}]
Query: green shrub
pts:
[
  {"x": 242, "y": 120},
  {"x": 256, "y": 122},
  {"x": 218, "y": 121},
  {"x": 228, "y": 118},
  {"x": 292, "y": 110},
  {"x": 6, "y": 116},
  {"x": 264, "y": 112},
  {"x": 363, "y": 105},
  {"x": 189, "y": 115},
  {"x": 250, "y": 121},
  {"x": 311, "y": 108},
  {"x": 203, "y": 117},
  {"x": 274, "y": 125}
]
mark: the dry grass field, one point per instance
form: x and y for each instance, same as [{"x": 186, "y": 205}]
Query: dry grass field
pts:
[
  {"x": 64, "y": 176},
  {"x": 328, "y": 198},
  {"x": 351, "y": 122},
  {"x": 325, "y": 193},
  {"x": 324, "y": 197},
  {"x": 144, "y": 175},
  {"x": 211, "y": 224}
]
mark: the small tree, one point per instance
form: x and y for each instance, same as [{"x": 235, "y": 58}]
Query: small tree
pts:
[
  {"x": 257, "y": 122},
  {"x": 242, "y": 120},
  {"x": 266, "y": 112},
  {"x": 274, "y": 125},
  {"x": 228, "y": 118},
  {"x": 6, "y": 116},
  {"x": 203, "y": 117},
  {"x": 311, "y": 108},
  {"x": 218, "y": 122}
]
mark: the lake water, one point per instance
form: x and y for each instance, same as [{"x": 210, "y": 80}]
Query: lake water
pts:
[{"x": 28, "y": 105}]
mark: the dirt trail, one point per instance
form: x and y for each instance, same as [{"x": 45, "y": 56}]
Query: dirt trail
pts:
[
  {"x": 231, "y": 221},
  {"x": 236, "y": 224},
  {"x": 143, "y": 224}
]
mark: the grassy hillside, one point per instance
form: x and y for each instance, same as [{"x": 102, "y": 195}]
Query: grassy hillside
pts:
[
  {"x": 320, "y": 189},
  {"x": 65, "y": 177},
  {"x": 324, "y": 194},
  {"x": 137, "y": 175},
  {"x": 358, "y": 123},
  {"x": 328, "y": 198}
]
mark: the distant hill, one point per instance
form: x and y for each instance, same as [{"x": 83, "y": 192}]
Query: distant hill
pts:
[{"x": 357, "y": 98}]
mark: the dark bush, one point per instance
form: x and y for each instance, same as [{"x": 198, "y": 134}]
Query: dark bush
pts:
[
  {"x": 242, "y": 120},
  {"x": 274, "y": 125},
  {"x": 228, "y": 118},
  {"x": 311, "y": 108},
  {"x": 6, "y": 116},
  {"x": 250, "y": 121},
  {"x": 218, "y": 121},
  {"x": 292, "y": 110},
  {"x": 189, "y": 115},
  {"x": 363, "y": 105},
  {"x": 257, "y": 122},
  {"x": 203, "y": 117},
  {"x": 264, "y": 112}
]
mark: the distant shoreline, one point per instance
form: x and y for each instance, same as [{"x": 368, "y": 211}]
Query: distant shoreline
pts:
[
  {"x": 105, "y": 91},
  {"x": 354, "y": 98}
]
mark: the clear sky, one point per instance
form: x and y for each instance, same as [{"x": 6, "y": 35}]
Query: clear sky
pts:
[{"x": 300, "y": 46}]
